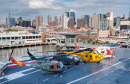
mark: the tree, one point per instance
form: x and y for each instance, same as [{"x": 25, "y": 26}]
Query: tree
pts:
[
  {"x": 89, "y": 41},
  {"x": 107, "y": 42},
  {"x": 77, "y": 40}
]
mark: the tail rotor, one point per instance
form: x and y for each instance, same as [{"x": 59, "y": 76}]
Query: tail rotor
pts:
[{"x": 11, "y": 54}]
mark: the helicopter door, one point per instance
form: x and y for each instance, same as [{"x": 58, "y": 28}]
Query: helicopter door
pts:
[
  {"x": 57, "y": 67},
  {"x": 51, "y": 67}
]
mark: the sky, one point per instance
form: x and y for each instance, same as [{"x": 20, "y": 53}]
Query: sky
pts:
[{"x": 29, "y": 9}]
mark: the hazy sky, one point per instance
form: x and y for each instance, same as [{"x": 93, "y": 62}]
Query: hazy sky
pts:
[{"x": 29, "y": 9}]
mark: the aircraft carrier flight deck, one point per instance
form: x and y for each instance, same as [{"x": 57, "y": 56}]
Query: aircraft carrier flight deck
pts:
[{"x": 114, "y": 70}]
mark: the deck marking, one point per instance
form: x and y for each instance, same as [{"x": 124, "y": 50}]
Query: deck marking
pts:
[
  {"x": 7, "y": 76},
  {"x": 59, "y": 74},
  {"x": 96, "y": 72},
  {"x": 17, "y": 75},
  {"x": 107, "y": 73}
]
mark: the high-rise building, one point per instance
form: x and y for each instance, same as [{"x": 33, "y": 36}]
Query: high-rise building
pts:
[
  {"x": 55, "y": 21},
  {"x": 67, "y": 14},
  {"x": 20, "y": 18},
  {"x": 84, "y": 24},
  {"x": 72, "y": 16},
  {"x": 81, "y": 23},
  {"x": 94, "y": 21},
  {"x": 104, "y": 24},
  {"x": 125, "y": 27},
  {"x": 109, "y": 16},
  {"x": 117, "y": 24},
  {"x": 87, "y": 17},
  {"x": 26, "y": 23},
  {"x": 34, "y": 23},
  {"x": 39, "y": 21},
  {"x": 101, "y": 16},
  {"x": 65, "y": 20},
  {"x": 72, "y": 23},
  {"x": 129, "y": 16},
  {"x": 49, "y": 21},
  {"x": 114, "y": 22},
  {"x": 10, "y": 22},
  {"x": 78, "y": 23},
  {"x": 60, "y": 20}
]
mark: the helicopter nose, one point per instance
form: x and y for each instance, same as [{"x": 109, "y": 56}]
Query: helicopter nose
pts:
[{"x": 64, "y": 68}]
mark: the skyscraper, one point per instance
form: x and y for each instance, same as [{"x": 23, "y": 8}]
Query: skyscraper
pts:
[
  {"x": 78, "y": 23},
  {"x": 104, "y": 24},
  {"x": 60, "y": 20},
  {"x": 81, "y": 23},
  {"x": 20, "y": 18},
  {"x": 101, "y": 16},
  {"x": 39, "y": 21},
  {"x": 67, "y": 14},
  {"x": 34, "y": 23},
  {"x": 56, "y": 21},
  {"x": 10, "y": 21},
  {"x": 65, "y": 20},
  {"x": 26, "y": 23},
  {"x": 95, "y": 21},
  {"x": 84, "y": 24},
  {"x": 109, "y": 16},
  {"x": 129, "y": 16},
  {"x": 49, "y": 21},
  {"x": 72, "y": 23},
  {"x": 114, "y": 22},
  {"x": 117, "y": 22},
  {"x": 72, "y": 16},
  {"x": 87, "y": 17}
]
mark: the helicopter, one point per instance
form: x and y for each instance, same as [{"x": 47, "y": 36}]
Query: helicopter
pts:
[
  {"x": 105, "y": 51},
  {"x": 65, "y": 58},
  {"x": 86, "y": 54},
  {"x": 46, "y": 65}
]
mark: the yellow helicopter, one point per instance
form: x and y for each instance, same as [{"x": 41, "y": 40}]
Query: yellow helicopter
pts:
[{"x": 86, "y": 54}]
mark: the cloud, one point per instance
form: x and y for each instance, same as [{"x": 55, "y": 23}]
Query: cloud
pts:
[
  {"x": 47, "y": 4},
  {"x": 72, "y": 10},
  {"x": 32, "y": 8}
]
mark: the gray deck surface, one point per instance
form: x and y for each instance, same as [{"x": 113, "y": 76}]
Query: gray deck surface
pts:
[{"x": 106, "y": 72}]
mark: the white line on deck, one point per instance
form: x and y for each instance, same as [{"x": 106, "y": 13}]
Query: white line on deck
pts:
[
  {"x": 97, "y": 72},
  {"x": 17, "y": 75}
]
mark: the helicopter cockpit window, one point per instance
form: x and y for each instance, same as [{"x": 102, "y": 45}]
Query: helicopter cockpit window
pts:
[
  {"x": 52, "y": 67},
  {"x": 95, "y": 52},
  {"x": 61, "y": 64},
  {"x": 102, "y": 51},
  {"x": 58, "y": 66},
  {"x": 110, "y": 52}
]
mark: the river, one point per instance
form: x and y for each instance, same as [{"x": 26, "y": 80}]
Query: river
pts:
[{"x": 18, "y": 53}]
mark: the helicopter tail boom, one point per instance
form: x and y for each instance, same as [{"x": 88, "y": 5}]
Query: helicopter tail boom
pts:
[{"x": 15, "y": 62}]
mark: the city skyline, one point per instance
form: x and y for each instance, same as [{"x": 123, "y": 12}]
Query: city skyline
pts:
[{"x": 29, "y": 9}]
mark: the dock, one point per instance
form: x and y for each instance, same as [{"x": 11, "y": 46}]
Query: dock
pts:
[{"x": 25, "y": 45}]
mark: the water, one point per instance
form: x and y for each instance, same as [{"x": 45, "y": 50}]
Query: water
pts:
[{"x": 18, "y": 53}]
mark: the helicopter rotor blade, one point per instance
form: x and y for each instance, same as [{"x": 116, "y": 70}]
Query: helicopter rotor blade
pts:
[
  {"x": 11, "y": 54},
  {"x": 40, "y": 52},
  {"x": 46, "y": 51}
]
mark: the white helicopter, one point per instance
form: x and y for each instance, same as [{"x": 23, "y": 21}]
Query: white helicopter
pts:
[{"x": 105, "y": 51}]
